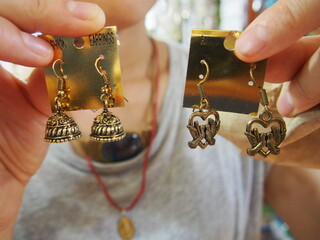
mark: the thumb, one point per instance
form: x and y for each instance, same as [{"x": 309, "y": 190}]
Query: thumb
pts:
[
  {"x": 277, "y": 28},
  {"x": 59, "y": 17},
  {"x": 36, "y": 92}
]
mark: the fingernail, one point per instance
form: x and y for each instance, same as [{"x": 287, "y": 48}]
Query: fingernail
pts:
[
  {"x": 253, "y": 41},
  {"x": 285, "y": 104},
  {"x": 37, "y": 46},
  {"x": 84, "y": 10}
]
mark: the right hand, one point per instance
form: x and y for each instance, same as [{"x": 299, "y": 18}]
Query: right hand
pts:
[
  {"x": 277, "y": 33},
  {"x": 24, "y": 108}
]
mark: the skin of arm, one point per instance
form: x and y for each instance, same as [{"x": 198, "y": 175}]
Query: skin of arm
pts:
[{"x": 294, "y": 193}]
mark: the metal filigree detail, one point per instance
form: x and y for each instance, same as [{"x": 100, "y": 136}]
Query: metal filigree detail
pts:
[
  {"x": 203, "y": 135},
  {"x": 106, "y": 126},
  {"x": 60, "y": 127},
  {"x": 265, "y": 143}
]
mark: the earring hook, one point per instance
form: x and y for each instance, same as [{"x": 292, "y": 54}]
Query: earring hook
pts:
[
  {"x": 204, "y": 62},
  {"x": 263, "y": 94},
  {"x": 60, "y": 68},
  {"x": 205, "y": 78},
  {"x": 253, "y": 66},
  {"x": 61, "y": 84},
  {"x": 98, "y": 65}
]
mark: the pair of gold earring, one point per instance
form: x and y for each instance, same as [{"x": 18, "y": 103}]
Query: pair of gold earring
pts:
[
  {"x": 263, "y": 143},
  {"x": 62, "y": 128}
]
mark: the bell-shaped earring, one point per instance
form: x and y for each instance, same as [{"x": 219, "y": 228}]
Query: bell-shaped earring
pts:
[
  {"x": 61, "y": 127},
  {"x": 106, "y": 127}
]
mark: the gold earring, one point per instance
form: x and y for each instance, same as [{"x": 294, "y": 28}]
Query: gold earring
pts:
[
  {"x": 203, "y": 135},
  {"x": 266, "y": 142},
  {"x": 106, "y": 127},
  {"x": 61, "y": 127}
]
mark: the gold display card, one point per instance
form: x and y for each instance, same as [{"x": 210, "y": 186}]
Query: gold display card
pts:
[
  {"x": 83, "y": 80},
  {"x": 228, "y": 85}
]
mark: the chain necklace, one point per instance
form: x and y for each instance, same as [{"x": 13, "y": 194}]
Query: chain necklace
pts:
[{"x": 126, "y": 227}]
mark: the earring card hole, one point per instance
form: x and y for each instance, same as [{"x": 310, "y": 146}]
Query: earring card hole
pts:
[
  {"x": 230, "y": 40},
  {"x": 78, "y": 43}
]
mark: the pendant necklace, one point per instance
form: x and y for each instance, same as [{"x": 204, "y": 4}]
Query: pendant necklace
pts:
[{"x": 126, "y": 228}]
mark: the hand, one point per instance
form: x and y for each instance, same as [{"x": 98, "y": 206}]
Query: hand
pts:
[
  {"x": 277, "y": 33},
  {"x": 24, "y": 108}
]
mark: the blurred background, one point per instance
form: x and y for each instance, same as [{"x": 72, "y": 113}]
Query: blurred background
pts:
[{"x": 172, "y": 20}]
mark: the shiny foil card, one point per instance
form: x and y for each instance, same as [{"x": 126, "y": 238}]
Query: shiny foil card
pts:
[
  {"x": 228, "y": 86},
  {"x": 83, "y": 80}
]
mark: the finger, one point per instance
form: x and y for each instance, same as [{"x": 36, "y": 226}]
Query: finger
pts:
[
  {"x": 303, "y": 92},
  {"x": 59, "y": 17},
  {"x": 62, "y": 17},
  {"x": 277, "y": 28},
  {"x": 28, "y": 50},
  {"x": 285, "y": 65},
  {"x": 20, "y": 98},
  {"x": 36, "y": 92},
  {"x": 22, "y": 125}
]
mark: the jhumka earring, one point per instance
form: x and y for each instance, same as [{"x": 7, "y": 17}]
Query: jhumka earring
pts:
[
  {"x": 203, "y": 135},
  {"x": 106, "y": 126},
  {"x": 60, "y": 127},
  {"x": 264, "y": 143}
]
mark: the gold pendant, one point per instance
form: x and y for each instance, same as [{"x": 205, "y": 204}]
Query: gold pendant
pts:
[{"x": 126, "y": 228}]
